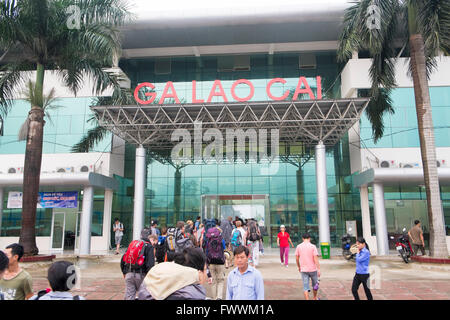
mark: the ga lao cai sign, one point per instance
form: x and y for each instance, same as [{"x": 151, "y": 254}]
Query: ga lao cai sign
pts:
[{"x": 217, "y": 90}]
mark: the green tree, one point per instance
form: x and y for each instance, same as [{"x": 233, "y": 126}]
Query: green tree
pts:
[
  {"x": 76, "y": 39},
  {"x": 422, "y": 29}
]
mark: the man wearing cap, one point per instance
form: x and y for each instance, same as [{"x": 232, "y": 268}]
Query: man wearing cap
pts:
[
  {"x": 283, "y": 240},
  {"x": 154, "y": 227},
  {"x": 134, "y": 277}
]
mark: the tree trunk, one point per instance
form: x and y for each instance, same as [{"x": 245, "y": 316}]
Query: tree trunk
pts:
[
  {"x": 438, "y": 244},
  {"x": 31, "y": 175}
]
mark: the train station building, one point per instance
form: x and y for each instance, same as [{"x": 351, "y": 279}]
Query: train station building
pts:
[{"x": 237, "y": 113}]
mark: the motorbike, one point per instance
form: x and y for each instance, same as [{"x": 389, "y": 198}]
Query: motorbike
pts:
[
  {"x": 403, "y": 246},
  {"x": 349, "y": 251}
]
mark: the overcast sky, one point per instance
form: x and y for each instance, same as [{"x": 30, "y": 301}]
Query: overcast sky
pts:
[{"x": 193, "y": 8}]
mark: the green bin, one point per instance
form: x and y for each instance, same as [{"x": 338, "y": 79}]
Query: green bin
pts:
[{"x": 325, "y": 249}]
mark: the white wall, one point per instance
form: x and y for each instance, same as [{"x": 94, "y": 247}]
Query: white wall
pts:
[
  {"x": 98, "y": 244},
  {"x": 53, "y": 80},
  {"x": 102, "y": 163},
  {"x": 356, "y": 75},
  {"x": 369, "y": 157}
]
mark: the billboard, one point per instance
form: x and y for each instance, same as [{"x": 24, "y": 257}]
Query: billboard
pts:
[{"x": 46, "y": 200}]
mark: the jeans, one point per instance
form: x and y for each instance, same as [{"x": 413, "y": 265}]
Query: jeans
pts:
[
  {"x": 284, "y": 255},
  {"x": 218, "y": 278},
  {"x": 357, "y": 280}
]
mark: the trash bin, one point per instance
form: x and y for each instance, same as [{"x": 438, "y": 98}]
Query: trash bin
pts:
[{"x": 325, "y": 249}]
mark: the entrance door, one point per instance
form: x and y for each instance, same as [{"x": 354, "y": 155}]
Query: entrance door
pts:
[
  {"x": 58, "y": 229},
  {"x": 70, "y": 233}
]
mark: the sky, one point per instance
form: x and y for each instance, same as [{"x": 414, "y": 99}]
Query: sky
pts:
[{"x": 193, "y": 8}]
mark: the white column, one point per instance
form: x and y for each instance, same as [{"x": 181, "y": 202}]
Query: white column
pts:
[
  {"x": 1, "y": 208},
  {"x": 365, "y": 213},
  {"x": 107, "y": 223},
  {"x": 86, "y": 220},
  {"x": 139, "y": 189},
  {"x": 322, "y": 193},
  {"x": 380, "y": 220}
]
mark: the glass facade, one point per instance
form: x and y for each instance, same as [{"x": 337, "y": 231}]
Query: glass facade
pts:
[
  {"x": 406, "y": 204},
  {"x": 401, "y": 127},
  {"x": 62, "y": 130},
  {"x": 175, "y": 193},
  {"x": 64, "y": 127}
]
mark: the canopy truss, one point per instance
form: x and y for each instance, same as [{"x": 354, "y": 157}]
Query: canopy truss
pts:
[{"x": 306, "y": 121}]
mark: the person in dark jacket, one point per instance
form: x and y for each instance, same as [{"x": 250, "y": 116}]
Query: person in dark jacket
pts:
[
  {"x": 134, "y": 277},
  {"x": 181, "y": 279}
]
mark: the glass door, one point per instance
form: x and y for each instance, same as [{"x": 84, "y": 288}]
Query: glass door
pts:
[{"x": 58, "y": 229}]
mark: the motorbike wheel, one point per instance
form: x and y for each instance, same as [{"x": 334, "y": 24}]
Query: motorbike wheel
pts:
[
  {"x": 347, "y": 255},
  {"x": 404, "y": 255}
]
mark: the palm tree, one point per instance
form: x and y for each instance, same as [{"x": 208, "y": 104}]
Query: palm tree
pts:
[
  {"x": 422, "y": 27},
  {"x": 37, "y": 35}
]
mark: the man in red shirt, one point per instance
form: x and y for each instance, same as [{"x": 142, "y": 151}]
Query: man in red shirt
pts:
[{"x": 283, "y": 240}]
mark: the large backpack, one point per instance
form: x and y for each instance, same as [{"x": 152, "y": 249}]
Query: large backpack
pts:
[
  {"x": 135, "y": 255},
  {"x": 214, "y": 246},
  {"x": 253, "y": 231},
  {"x": 176, "y": 242},
  {"x": 171, "y": 239},
  {"x": 209, "y": 223},
  {"x": 236, "y": 238}
]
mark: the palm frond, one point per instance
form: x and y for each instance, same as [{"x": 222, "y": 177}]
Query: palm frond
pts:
[
  {"x": 8, "y": 24},
  {"x": 380, "y": 104},
  {"x": 433, "y": 22},
  {"x": 112, "y": 12},
  {"x": 49, "y": 103},
  {"x": 12, "y": 77},
  {"x": 92, "y": 137},
  {"x": 379, "y": 42}
]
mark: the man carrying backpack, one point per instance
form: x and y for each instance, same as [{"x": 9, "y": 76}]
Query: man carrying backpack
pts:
[
  {"x": 238, "y": 237},
  {"x": 215, "y": 258},
  {"x": 254, "y": 235},
  {"x": 176, "y": 240},
  {"x": 137, "y": 261}
]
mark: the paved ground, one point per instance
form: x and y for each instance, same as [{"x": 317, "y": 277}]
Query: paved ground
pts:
[{"x": 391, "y": 279}]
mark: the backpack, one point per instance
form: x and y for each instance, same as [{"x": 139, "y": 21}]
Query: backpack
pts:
[
  {"x": 170, "y": 239},
  {"x": 209, "y": 223},
  {"x": 134, "y": 257},
  {"x": 236, "y": 238},
  {"x": 214, "y": 247},
  {"x": 253, "y": 231},
  {"x": 160, "y": 249},
  {"x": 176, "y": 242}
]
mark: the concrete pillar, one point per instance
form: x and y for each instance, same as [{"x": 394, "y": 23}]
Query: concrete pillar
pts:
[
  {"x": 1, "y": 209},
  {"x": 322, "y": 193},
  {"x": 139, "y": 193},
  {"x": 365, "y": 213},
  {"x": 380, "y": 220},
  {"x": 86, "y": 220},
  {"x": 107, "y": 212}
]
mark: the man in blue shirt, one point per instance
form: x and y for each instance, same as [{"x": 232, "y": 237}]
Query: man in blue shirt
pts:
[{"x": 244, "y": 282}]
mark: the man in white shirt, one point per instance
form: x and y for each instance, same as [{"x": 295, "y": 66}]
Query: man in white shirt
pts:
[{"x": 118, "y": 230}]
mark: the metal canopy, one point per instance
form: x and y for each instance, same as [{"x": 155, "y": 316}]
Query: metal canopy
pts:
[{"x": 306, "y": 121}]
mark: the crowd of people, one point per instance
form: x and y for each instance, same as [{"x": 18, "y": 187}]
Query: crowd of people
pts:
[
  {"x": 191, "y": 254},
  {"x": 176, "y": 263}
]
